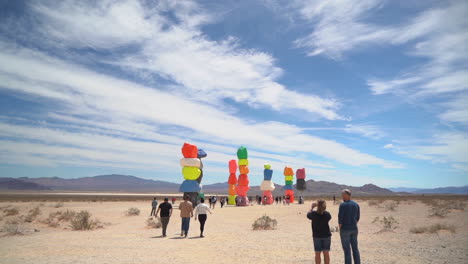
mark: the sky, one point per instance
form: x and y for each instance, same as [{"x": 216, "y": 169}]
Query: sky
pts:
[{"x": 356, "y": 92}]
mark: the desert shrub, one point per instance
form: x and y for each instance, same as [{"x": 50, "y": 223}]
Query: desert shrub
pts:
[
  {"x": 455, "y": 205},
  {"x": 13, "y": 227},
  {"x": 83, "y": 221},
  {"x": 388, "y": 223},
  {"x": 58, "y": 205},
  {"x": 68, "y": 215},
  {"x": 433, "y": 229},
  {"x": 264, "y": 223},
  {"x": 373, "y": 203},
  {"x": 132, "y": 211},
  {"x": 438, "y": 211},
  {"x": 153, "y": 222},
  {"x": 11, "y": 211},
  {"x": 390, "y": 206},
  {"x": 32, "y": 214}
]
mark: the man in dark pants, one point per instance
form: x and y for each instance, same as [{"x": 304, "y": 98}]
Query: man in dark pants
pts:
[
  {"x": 166, "y": 213},
  {"x": 348, "y": 217},
  {"x": 154, "y": 205}
]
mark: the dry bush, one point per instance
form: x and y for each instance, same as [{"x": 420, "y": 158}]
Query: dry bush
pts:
[
  {"x": 456, "y": 205},
  {"x": 373, "y": 203},
  {"x": 58, "y": 205},
  {"x": 13, "y": 227},
  {"x": 388, "y": 223},
  {"x": 264, "y": 223},
  {"x": 68, "y": 215},
  {"x": 391, "y": 206},
  {"x": 132, "y": 211},
  {"x": 11, "y": 211},
  {"x": 433, "y": 229},
  {"x": 439, "y": 211},
  {"x": 152, "y": 223},
  {"x": 83, "y": 221},
  {"x": 32, "y": 214}
]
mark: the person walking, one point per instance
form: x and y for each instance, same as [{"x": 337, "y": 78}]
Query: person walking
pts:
[
  {"x": 214, "y": 200},
  {"x": 165, "y": 210},
  {"x": 186, "y": 212},
  {"x": 200, "y": 213},
  {"x": 348, "y": 218},
  {"x": 320, "y": 231},
  {"x": 334, "y": 199},
  {"x": 222, "y": 201},
  {"x": 173, "y": 200},
  {"x": 154, "y": 205}
]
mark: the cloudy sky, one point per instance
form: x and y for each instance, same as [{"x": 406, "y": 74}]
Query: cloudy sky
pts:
[{"x": 368, "y": 91}]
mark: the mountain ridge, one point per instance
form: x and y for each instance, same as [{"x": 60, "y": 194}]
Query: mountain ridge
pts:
[{"x": 129, "y": 183}]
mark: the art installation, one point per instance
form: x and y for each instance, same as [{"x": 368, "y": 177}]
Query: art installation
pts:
[
  {"x": 288, "y": 186},
  {"x": 232, "y": 181},
  {"x": 192, "y": 170},
  {"x": 301, "y": 185},
  {"x": 243, "y": 181},
  {"x": 267, "y": 185}
]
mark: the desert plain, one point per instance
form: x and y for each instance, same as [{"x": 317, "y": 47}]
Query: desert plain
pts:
[{"x": 415, "y": 230}]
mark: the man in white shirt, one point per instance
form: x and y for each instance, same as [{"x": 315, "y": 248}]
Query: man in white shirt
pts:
[{"x": 200, "y": 213}]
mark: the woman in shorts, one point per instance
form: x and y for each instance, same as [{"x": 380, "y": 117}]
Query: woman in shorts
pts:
[{"x": 320, "y": 230}]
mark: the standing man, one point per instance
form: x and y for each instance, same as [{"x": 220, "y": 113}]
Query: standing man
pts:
[
  {"x": 166, "y": 213},
  {"x": 154, "y": 205},
  {"x": 186, "y": 212},
  {"x": 348, "y": 218},
  {"x": 334, "y": 199}
]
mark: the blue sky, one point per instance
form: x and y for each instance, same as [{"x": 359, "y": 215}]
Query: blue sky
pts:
[{"x": 356, "y": 92}]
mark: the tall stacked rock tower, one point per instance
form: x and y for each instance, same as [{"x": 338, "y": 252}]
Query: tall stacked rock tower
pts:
[
  {"x": 267, "y": 185},
  {"x": 243, "y": 181},
  {"x": 301, "y": 185},
  {"x": 192, "y": 170},
  {"x": 288, "y": 187},
  {"x": 232, "y": 181}
]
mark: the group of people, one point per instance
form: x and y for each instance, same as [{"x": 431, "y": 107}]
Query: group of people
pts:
[
  {"x": 186, "y": 213},
  {"x": 348, "y": 218}
]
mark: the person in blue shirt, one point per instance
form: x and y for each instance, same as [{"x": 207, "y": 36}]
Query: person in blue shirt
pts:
[{"x": 348, "y": 218}]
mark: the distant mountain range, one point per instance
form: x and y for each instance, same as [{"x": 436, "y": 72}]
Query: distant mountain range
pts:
[
  {"x": 126, "y": 183},
  {"x": 442, "y": 190}
]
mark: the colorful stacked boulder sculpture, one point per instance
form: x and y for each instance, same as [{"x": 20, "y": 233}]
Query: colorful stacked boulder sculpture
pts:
[
  {"x": 288, "y": 186},
  {"x": 267, "y": 185},
  {"x": 192, "y": 170},
  {"x": 232, "y": 181},
  {"x": 243, "y": 181},
  {"x": 301, "y": 184}
]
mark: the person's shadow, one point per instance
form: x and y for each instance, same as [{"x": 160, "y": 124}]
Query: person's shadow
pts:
[{"x": 157, "y": 237}]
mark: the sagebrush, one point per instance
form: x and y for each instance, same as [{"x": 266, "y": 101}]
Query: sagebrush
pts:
[
  {"x": 132, "y": 211},
  {"x": 153, "y": 222},
  {"x": 433, "y": 229},
  {"x": 265, "y": 223},
  {"x": 83, "y": 221}
]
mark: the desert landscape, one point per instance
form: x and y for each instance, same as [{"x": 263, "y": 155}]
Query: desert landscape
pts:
[{"x": 413, "y": 229}]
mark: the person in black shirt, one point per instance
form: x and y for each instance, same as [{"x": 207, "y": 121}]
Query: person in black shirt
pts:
[
  {"x": 166, "y": 213},
  {"x": 320, "y": 230}
]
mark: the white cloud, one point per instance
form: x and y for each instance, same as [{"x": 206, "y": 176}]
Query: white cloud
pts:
[
  {"x": 388, "y": 146},
  {"x": 457, "y": 110},
  {"x": 178, "y": 51},
  {"x": 365, "y": 130},
  {"x": 100, "y": 98},
  {"x": 448, "y": 147},
  {"x": 338, "y": 26}
]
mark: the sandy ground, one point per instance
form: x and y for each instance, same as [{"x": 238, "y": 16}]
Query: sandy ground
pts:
[{"x": 229, "y": 237}]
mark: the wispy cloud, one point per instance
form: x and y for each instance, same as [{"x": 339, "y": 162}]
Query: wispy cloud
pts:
[
  {"x": 100, "y": 98},
  {"x": 365, "y": 130},
  {"x": 175, "y": 49}
]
